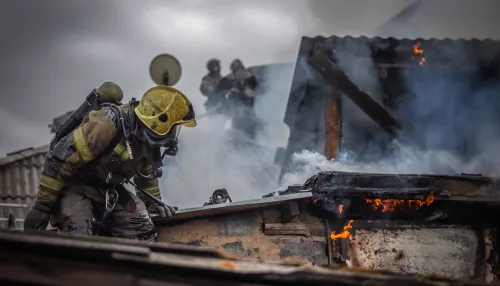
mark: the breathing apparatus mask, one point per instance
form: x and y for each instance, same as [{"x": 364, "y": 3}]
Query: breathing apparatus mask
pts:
[{"x": 167, "y": 143}]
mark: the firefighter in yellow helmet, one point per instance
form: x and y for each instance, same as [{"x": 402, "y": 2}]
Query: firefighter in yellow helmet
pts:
[{"x": 81, "y": 182}]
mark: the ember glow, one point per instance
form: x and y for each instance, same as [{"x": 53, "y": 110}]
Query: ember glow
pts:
[
  {"x": 390, "y": 205},
  {"x": 344, "y": 234},
  {"x": 417, "y": 51},
  {"x": 341, "y": 208}
]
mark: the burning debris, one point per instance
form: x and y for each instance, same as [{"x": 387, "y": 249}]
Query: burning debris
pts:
[
  {"x": 390, "y": 205},
  {"x": 345, "y": 232},
  {"x": 418, "y": 53},
  {"x": 336, "y": 207}
]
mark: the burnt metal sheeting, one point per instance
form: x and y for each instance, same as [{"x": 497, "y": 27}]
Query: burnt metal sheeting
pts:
[
  {"x": 19, "y": 177},
  {"x": 234, "y": 207},
  {"x": 25, "y": 256}
]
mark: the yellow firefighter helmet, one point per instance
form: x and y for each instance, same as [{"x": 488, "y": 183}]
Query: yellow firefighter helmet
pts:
[{"x": 162, "y": 107}]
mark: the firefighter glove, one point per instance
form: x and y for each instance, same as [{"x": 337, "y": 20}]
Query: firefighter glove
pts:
[
  {"x": 36, "y": 220},
  {"x": 163, "y": 210}
]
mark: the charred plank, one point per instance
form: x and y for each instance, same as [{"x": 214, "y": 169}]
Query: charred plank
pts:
[{"x": 338, "y": 78}]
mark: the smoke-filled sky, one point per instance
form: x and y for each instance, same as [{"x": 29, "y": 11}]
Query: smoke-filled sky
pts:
[{"x": 54, "y": 52}]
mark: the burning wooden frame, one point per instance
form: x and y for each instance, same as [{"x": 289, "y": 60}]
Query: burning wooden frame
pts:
[{"x": 348, "y": 201}]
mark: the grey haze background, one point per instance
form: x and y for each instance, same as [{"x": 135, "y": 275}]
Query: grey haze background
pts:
[{"x": 54, "y": 52}]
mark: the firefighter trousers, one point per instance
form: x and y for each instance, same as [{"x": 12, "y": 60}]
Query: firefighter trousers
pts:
[{"x": 80, "y": 203}]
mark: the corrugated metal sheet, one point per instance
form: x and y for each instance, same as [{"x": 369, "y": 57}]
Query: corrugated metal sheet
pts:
[
  {"x": 19, "y": 176},
  {"x": 387, "y": 50}
]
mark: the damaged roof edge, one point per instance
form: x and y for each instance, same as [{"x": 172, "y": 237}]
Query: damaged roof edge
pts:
[
  {"x": 233, "y": 207},
  {"x": 22, "y": 154},
  {"x": 366, "y": 38}
]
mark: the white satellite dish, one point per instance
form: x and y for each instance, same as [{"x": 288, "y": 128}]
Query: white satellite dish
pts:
[{"x": 165, "y": 69}]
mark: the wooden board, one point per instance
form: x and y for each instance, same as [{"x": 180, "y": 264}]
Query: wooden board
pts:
[{"x": 286, "y": 229}]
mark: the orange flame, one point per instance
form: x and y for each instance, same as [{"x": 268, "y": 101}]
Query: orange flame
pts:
[
  {"x": 418, "y": 51},
  {"x": 345, "y": 232},
  {"x": 341, "y": 208},
  {"x": 421, "y": 62},
  {"x": 390, "y": 205}
]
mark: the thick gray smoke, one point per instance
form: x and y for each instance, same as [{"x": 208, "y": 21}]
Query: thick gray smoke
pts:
[
  {"x": 213, "y": 156},
  {"x": 449, "y": 115},
  {"x": 209, "y": 159},
  {"x": 450, "y": 126}
]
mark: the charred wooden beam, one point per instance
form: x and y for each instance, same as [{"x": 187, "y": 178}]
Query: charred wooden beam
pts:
[
  {"x": 394, "y": 193},
  {"x": 339, "y": 246},
  {"x": 322, "y": 63},
  {"x": 329, "y": 245},
  {"x": 419, "y": 199},
  {"x": 333, "y": 124},
  {"x": 412, "y": 184}
]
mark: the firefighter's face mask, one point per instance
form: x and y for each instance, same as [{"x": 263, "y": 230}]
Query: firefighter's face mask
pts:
[{"x": 168, "y": 143}]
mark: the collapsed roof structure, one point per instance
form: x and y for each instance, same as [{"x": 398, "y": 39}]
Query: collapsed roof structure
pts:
[{"x": 362, "y": 92}]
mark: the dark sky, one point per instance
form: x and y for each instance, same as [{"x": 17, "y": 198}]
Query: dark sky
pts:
[{"x": 54, "y": 52}]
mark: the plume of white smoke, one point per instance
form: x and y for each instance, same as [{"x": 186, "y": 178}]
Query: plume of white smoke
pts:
[
  {"x": 213, "y": 156},
  {"x": 408, "y": 160}
]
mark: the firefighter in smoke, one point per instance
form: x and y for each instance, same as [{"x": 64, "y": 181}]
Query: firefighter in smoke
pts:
[
  {"x": 209, "y": 85},
  {"x": 83, "y": 174},
  {"x": 241, "y": 98}
]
